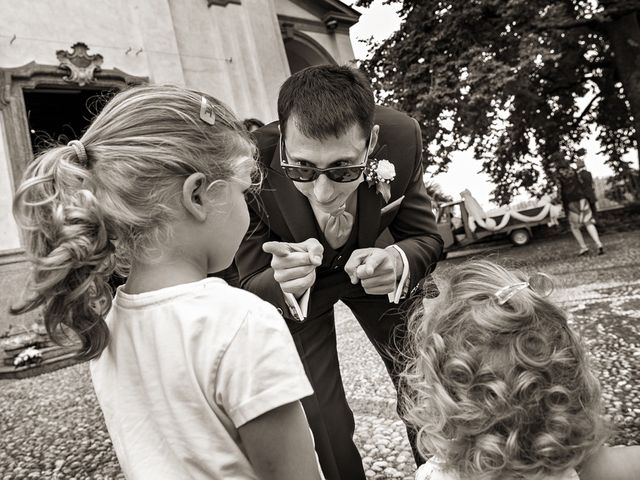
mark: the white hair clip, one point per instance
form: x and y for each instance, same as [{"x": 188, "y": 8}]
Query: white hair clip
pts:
[
  {"x": 206, "y": 112},
  {"x": 538, "y": 282}
]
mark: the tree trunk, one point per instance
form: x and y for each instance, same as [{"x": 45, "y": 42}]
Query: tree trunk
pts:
[{"x": 624, "y": 34}]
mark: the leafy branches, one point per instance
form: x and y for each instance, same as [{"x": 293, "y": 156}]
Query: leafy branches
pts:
[{"x": 515, "y": 80}]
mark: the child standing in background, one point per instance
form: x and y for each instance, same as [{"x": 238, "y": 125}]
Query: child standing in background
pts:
[
  {"x": 501, "y": 386},
  {"x": 195, "y": 379}
]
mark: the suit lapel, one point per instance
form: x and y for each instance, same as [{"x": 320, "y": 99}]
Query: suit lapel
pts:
[{"x": 369, "y": 205}]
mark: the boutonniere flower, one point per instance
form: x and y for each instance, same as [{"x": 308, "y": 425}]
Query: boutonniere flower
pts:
[{"x": 380, "y": 173}]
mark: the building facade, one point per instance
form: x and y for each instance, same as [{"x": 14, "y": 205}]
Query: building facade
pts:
[{"x": 57, "y": 57}]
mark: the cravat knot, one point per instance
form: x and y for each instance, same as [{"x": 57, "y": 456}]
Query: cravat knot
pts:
[{"x": 338, "y": 228}]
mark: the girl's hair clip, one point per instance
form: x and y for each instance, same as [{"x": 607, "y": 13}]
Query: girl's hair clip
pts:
[
  {"x": 207, "y": 114},
  {"x": 540, "y": 283}
]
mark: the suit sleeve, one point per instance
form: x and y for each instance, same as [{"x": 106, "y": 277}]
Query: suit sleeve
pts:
[
  {"x": 591, "y": 194},
  {"x": 254, "y": 265},
  {"x": 414, "y": 227}
]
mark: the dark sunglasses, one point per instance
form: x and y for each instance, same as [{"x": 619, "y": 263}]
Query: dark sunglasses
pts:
[{"x": 303, "y": 173}]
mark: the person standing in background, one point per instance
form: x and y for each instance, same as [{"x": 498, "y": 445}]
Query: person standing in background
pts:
[
  {"x": 587, "y": 183},
  {"x": 575, "y": 193}
]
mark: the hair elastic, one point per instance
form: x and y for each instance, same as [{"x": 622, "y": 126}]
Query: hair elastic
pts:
[
  {"x": 81, "y": 153},
  {"x": 538, "y": 282}
]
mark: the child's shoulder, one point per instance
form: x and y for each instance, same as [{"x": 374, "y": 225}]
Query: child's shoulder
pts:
[
  {"x": 433, "y": 470},
  {"x": 235, "y": 305},
  {"x": 231, "y": 298},
  {"x": 219, "y": 315}
]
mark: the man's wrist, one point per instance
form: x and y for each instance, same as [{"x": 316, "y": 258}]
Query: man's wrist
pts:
[
  {"x": 298, "y": 307},
  {"x": 299, "y": 294}
]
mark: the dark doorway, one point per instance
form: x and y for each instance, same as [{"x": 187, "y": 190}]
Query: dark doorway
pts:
[{"x": 58, "y": 115}]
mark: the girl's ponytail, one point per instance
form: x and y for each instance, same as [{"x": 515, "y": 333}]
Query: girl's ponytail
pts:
[
  {"x": 110, "y": 199},
  {"x": 72, "y": 253}
]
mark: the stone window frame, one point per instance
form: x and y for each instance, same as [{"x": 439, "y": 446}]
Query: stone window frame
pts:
[{"x": 13, "y": 81}]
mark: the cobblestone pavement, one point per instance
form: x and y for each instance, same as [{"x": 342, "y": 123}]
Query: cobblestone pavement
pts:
[{"x": 51, "y": 426}]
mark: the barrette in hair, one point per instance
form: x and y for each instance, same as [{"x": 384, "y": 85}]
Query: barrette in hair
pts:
[
  {"x": 538, "y": 282},
  {"x": 206, "y": 111},
  {"x": 81, "y": 153}
]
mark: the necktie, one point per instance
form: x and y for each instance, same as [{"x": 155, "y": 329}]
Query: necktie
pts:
[{"x": 338, "y": 228}]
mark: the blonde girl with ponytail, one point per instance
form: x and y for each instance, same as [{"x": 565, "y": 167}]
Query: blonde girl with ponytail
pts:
[{"x": 196, "y": 379}]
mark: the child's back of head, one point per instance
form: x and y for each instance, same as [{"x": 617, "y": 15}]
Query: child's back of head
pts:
[
  {"x": 97, "y": 204},
  {"x": 500, "y": 386}
]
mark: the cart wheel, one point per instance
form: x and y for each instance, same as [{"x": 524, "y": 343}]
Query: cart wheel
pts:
[{"x": 520, "y": 237}]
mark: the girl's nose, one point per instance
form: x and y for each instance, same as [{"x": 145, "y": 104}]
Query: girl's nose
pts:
[{"x": 323, "y": 188}]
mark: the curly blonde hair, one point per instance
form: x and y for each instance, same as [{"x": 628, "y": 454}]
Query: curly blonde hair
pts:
[
  {"x": 499, "y": 391},
  {"x": 84, "y": 218}
]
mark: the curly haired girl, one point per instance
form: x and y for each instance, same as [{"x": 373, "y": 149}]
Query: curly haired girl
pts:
[
  {"x": 500, "y": 386},
  {"x": 195, "y": 379}
]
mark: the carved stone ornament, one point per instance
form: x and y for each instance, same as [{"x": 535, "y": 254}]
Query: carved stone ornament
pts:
[{"x": 81, "y": 65}]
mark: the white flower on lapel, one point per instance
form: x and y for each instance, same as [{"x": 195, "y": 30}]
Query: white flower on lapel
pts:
[
  {"x": 386, "y": 171},
  {"x": 380, "y": 173}
]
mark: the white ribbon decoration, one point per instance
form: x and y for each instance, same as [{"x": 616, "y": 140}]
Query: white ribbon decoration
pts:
[{"x": 506, "y": 217}]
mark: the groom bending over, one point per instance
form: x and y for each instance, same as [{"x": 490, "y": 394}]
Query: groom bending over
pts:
[{"x": 338, "y": 172}]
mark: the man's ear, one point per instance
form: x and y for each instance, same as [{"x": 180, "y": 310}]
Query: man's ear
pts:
[
  {"x": 194, "y": 192},
  {"x": 374, "y": 139}
]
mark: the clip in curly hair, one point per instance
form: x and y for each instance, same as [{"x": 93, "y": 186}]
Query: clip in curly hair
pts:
[
  {"x": 81, "y": 153},
  {"x": 538, "y": 282},
  {"x": 207, "y": 114}
]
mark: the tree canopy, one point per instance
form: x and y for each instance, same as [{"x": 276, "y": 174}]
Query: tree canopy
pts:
[{"x": 515, "y": 80}]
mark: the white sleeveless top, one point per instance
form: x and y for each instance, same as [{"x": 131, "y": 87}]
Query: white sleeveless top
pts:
[{"x": 432, "y": 470}]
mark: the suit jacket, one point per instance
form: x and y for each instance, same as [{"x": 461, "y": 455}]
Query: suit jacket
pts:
[
  {"x": 281, "y": 213},
  {"x": 587, "y": 184},
  {"x": 574, "y": 186}
]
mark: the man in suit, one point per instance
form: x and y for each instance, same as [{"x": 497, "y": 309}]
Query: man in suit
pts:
[{"x": 314, "y": 225}]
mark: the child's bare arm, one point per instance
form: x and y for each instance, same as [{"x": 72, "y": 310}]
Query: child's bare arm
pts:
[
  {"x": 279, "y": 444},
  {"x": 617, "y": 463}
]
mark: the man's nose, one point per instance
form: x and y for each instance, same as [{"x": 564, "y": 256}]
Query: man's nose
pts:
[{"x": 323, "y": 188}]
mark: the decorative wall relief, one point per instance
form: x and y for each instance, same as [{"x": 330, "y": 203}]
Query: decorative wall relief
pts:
[{"x": 81, "y": 65}]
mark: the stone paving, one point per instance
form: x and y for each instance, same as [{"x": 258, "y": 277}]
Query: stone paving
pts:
[{"x": 51, "y": 426}]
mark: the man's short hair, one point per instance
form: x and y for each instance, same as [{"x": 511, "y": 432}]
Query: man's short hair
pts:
[
  {"x": 326, "y": 100},
  {"x": 252, "y": 124}
]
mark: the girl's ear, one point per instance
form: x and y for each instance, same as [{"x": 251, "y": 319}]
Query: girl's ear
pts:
[{"x": 194, "y": 192}]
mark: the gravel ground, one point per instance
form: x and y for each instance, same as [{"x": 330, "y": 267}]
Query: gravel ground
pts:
[{"x": 51, "y": 426}]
